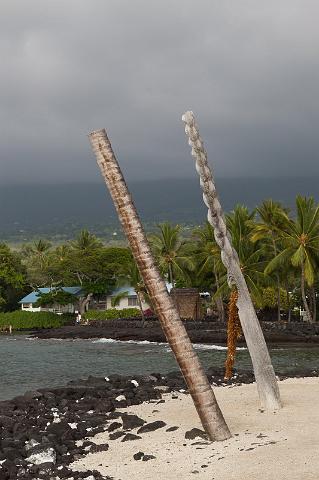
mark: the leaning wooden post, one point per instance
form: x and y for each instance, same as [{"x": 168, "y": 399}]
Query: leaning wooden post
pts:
[
  {"x": 264, "y": 373},
  {"x": 196, "y": 380}
]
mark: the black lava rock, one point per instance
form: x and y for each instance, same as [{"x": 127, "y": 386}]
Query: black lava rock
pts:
[
  {"x": 146, "y": 458},
  {"x": 130, "y": 436},
  {"x": 150, "y": 427},
  {"x": 172, "y": 429},
  {"x": 131, "y": 421}
]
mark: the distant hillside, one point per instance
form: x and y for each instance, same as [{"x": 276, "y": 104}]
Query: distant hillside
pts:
[{"x": 51, "y": 208}]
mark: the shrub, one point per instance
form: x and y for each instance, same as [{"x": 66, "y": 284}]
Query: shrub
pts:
[
  {"x": 20, "y": 320},
  {"x": 269, "y": 298},
  {"x": 111, "y": 314}
]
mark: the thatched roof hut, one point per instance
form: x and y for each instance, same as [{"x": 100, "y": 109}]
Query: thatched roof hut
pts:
[{"x": 188, "y": 302}]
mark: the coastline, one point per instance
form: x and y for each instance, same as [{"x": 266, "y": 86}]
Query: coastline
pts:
[
  {"x": 46, "y": 432},
  {"x": 199, "y": 332},
  {"x": 279, "y": 445}
]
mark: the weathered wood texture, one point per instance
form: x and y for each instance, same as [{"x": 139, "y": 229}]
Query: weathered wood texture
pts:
[
  {"x": 188, "y": 302},
  {"x": 197, "y": 382},
  {"x": 264, "y": 373}
]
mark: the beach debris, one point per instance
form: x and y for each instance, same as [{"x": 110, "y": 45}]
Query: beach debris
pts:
[
  {"x": 73, "y": 426},
  {"x": 43, "y": 455},
  {"x": 138, "y": 455},
  {"x": 30, "y": 444},
  {"x": 172, "y": 429},
  {"x": 135, "y": 383},
  {"x": 120, "y": 398},
  {"x": 162, "y": 388},
  {"x": 152, "y": 426},
  {"x": 195, "y": 433}
]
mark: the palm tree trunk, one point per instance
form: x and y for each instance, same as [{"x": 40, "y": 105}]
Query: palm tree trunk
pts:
[
  {"x": 303, "y": 294},
  {"x": 170, "y": 274},
  {"x": 83, "y": 303},
  {"x": 278, "y": 300},
  {"x": 196, "y": 380},
  {"x": 219, "y": 300},
  {"x": 288, "y": 302},
  {"x": 233, "y": 333},
  {"x": 314, "y": 301},
  {"x": 264, "y": 373},
  {"x": 278, "y": 280},
  {"x": 141, "y": 307}
]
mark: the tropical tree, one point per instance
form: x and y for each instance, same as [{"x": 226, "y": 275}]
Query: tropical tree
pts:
[
  {"x": 301, "y": 247},
  {"x": 171, "y": 252},
  {"x": 272, "y": 222},
  {"x": 36, "y": 257},
  {"x": 87, "y": 263},
  {"x": 209, "y": 261},
  {"x": 12, "y": 278},
  {"x": 86, "y": 243},
  {"x": 251, "y": 262},
  {"x": 130, "y": 273},
  {"x": 196, "y": 380}
]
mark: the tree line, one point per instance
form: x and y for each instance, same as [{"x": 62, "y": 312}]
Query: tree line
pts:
[{"x": 278, "y": 252}]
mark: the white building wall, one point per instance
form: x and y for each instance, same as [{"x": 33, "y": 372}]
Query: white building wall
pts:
[
  {"x": 28, "y": 307},
  {"x": 124, "y": 303}
]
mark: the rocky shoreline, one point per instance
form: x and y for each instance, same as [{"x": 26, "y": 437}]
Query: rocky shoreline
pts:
[
  {"x": 199, "y": 332},
  {"x": 43, "y": 432}
]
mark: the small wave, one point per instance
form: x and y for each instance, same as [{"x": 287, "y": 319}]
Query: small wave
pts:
[
  {"x": 105, "y": 340},
  {"x": 197, "y": 346},
  {"x": 205, "y": 346},
  {"x": 136, "y": 342}
]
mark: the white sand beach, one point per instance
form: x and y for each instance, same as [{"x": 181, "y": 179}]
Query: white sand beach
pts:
[{"x": 282, "y": 445}]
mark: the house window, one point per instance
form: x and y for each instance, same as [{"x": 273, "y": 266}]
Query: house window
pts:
[
  {"x": 27, "y": 305},
  {"x": 132, "y": 302}
]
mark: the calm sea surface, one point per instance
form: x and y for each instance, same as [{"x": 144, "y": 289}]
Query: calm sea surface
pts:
[{"x": 27, "y": 364}]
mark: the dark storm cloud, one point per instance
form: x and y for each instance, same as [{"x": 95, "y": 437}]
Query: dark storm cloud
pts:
[{"x": 249, "y": 70}]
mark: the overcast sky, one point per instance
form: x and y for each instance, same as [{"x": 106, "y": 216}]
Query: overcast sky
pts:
[{"x": 249, "y": 70}]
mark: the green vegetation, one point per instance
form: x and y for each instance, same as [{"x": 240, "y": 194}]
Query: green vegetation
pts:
[
  {"x": 278, "y": 252},
  {"x": 12, "y": 278},
  {"x": 111, "y": 314},
  {"x": 20, "y": 320}
]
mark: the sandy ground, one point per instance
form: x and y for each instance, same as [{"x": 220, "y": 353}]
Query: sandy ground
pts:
[{"x": 265, "y": 445}]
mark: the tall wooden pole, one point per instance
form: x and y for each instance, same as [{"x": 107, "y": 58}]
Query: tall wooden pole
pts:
[
  {"x": 264, "y": 373},
  {"x": 196, "y": 380}
]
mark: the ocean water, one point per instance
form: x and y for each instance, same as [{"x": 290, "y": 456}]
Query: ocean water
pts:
[{"x": 27, "y": 364}]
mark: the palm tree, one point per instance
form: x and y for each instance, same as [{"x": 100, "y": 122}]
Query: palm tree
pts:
[
  {"x": 171, "y": 253},
  {"x": 251, "y": 262},
  {"x": 86, "y": 242},
  {"x": 301, "y": 246},
  {"x": 250, "y": 255},
  {"x": 273, "y": 219},
  {"x": 208, "y": 257},
  {"x": 192, "y": 370},
  {"x": 37, "y": 259},
  {"x": 61, "y": 252},
  {"x": 131, "y": 273}
]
